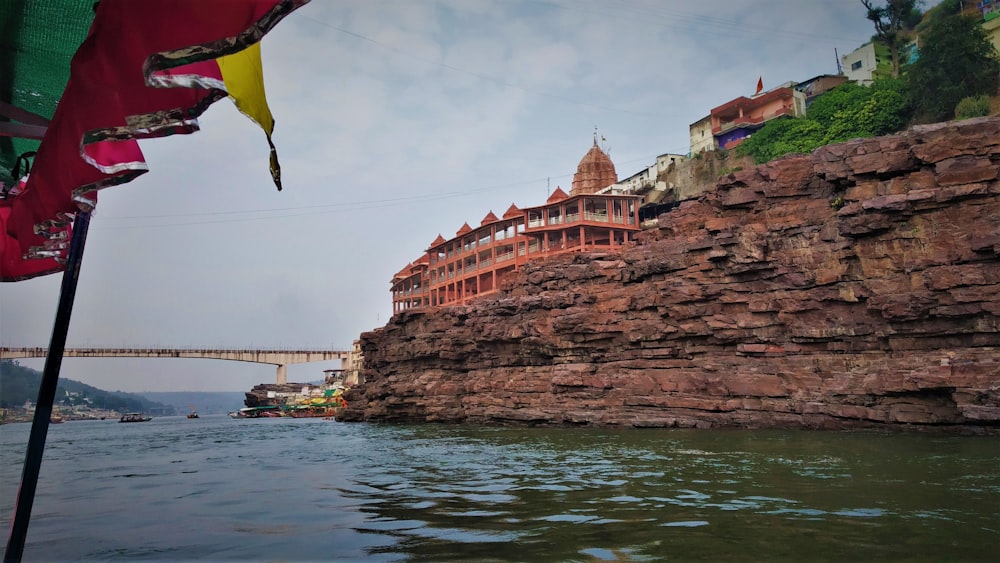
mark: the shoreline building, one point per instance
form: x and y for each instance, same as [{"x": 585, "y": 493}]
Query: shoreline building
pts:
[{"x": 473, "y": 262}]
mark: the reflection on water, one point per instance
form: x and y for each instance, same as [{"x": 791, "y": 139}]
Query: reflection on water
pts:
[{"x": 306, "y": 489}]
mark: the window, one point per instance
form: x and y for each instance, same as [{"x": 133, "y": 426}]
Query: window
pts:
[{"x": 856, "y": 65}]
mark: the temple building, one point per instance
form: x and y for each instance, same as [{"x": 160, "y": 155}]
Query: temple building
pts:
[
  {"x": 594, "y": 173},
  {"x": 472, "y": 263}
]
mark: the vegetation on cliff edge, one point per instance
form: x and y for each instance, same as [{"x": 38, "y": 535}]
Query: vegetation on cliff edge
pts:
[{"x": 956, "y": 61}]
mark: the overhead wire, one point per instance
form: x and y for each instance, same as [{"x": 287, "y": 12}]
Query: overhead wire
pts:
[
  {"x": 651, "y": 14},
  {"x": 306, "y": 210}
]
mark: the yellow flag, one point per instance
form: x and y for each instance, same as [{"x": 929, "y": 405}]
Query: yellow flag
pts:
[{"x": 243, "y": 75}]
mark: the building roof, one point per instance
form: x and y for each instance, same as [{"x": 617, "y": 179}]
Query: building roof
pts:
[
  {"x": 464, "y": 230},
  {"x": 595, "y": 171},
  {"x": 438, "y": 241},
  {"x": 490, "y": 218},
  {"x": 745, "y": 102},
  {"x": 404, "y": 273},
  {"x": 557, "y": 195},
  {"x": 512, "y": 212}
]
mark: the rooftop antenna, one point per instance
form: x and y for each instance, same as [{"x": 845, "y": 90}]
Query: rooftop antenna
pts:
[
  {"x": 548, "y": 187},
  {"x": 840, "y": 69}
]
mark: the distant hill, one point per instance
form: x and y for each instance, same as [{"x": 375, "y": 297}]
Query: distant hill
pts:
[
  {"x": 208, "y": 402},
  {"x": 19, "y": 384}
]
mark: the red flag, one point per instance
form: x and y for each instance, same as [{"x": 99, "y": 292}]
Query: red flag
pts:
[
  {"x": 108, "y": 103},
  {"x": 760, "y": 86},
  {"x": 13, "y": 266}
]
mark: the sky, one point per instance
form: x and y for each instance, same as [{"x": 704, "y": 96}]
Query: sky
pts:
[{"x": 396, "y": 121}]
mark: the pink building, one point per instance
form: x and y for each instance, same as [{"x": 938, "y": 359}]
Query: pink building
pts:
[
  {"x": 737, "y": 119},
  {"x": 473, "y": 262}
]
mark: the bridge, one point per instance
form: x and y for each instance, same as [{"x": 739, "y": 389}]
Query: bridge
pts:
[{"x": 280, "y": 358}]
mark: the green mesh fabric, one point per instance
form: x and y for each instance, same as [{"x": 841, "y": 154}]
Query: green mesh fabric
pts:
[{"x": 37, "y": 41}]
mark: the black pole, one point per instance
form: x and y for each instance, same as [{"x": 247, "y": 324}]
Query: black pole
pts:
[{"x": 47, "y": 393}]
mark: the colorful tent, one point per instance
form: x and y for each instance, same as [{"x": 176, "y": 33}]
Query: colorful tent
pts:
[{"x": 144, "y": 69}]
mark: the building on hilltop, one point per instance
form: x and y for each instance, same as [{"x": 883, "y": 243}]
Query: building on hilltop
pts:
[
  {"x": 872, "y": 61},
  {"x": 473, "y": 262},
  {"x": 991, "y": 24},
  {"x": 645, "y": 180},
  {"x": 701, "y": 136},
  {"x": 726, "y": 126},
  {"x": 819, "y": 85},
  {"x": 737, "y": 119},
  {"x": 860, "y": 64}
]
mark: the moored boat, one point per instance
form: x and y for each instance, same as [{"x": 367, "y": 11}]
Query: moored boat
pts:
[{"x": 135, "y": 417}]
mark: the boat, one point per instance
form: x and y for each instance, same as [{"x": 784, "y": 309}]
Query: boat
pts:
[
  {"x": 193, "y": 413},
  {"x": 265, "y": 411},
  {"x": 56, "y": 419},
  {"x": 135, "y": 417}
]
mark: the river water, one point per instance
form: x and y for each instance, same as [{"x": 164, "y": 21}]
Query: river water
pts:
[{"x": 216, "y": 488}]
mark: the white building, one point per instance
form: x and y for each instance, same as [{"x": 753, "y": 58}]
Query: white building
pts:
[
  {"x": 859, "y": 64},
  {"x": 645, "y": 179},
  {"x": 701, "y": 135}
]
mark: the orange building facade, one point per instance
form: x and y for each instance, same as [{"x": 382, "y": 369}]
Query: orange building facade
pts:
[
  {"x": 472, "y": 263},
  {"x": 737, "y": 119}
]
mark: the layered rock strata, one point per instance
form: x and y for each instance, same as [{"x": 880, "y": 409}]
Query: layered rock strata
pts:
[{"x": 858, "y": 286}]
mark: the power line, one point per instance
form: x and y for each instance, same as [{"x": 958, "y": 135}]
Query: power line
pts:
[
  {"x": 654, "y": 14},
  {"x": 479, "y": 75},
  {"x": 307, "y": 210}
]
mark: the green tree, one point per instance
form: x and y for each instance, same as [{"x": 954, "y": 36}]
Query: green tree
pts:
[
  {"x": 891, "y": 21},
  {"x": 956, "y": 61},
  {"x": 780, "y": 137}
]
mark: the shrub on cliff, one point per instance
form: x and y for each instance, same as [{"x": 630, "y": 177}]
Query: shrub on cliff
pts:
[
  {"x": 973, "y": 106},
  {"x": 783, "y": 136},
  {"x": 847, "y": 112}
]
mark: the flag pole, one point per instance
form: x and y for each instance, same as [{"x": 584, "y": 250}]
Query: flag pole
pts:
[{"x": 47, "y": 392}]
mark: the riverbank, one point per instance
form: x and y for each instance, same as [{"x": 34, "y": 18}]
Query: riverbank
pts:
[{"x": 858, "y": 286}]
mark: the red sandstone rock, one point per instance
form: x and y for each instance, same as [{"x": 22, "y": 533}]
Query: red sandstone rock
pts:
[{"x": 855, "y": 287}]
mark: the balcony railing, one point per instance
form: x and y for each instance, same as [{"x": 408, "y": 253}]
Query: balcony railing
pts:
[
  {"x": 745, "y": 120},
  {"x": 598, "y": 217},
  {"x": 505, "y": 256}
]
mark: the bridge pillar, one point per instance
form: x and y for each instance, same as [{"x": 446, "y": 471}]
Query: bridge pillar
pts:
[{"x": 282, "y": 374}]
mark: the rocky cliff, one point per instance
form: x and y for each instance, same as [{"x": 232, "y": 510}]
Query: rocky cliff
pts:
[{"x": 858, "y": 286}]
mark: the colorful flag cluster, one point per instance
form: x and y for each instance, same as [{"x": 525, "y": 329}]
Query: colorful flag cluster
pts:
[{"x": 146, "y": 69}]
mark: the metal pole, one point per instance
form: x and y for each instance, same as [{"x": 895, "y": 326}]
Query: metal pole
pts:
[{"x": 47, "y": 393}]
